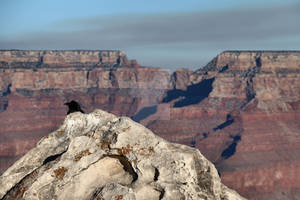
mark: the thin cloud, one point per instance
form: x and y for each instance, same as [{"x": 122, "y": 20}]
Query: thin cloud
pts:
[{"x": 226, "y": 28}]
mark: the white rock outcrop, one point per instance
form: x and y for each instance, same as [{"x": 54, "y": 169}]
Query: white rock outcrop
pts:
[{"x": 99, "y": 156}]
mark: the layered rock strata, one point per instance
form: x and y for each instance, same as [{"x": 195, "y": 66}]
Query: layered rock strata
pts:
[
  {"x": 33, "y": 89},
  {"x": 63, "y": 58},
  {"x": 101, "y": 156},
  {"x": 241, "y": 110}
]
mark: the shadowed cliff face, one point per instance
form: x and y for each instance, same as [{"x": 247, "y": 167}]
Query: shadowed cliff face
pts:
[
  {"x": 228, "y": 122},
  {"x": 144, "y": 113},
  {"x": 246, "y": 116},
  {"x": 242, "y": 110},
  {"x": 194, "y": 94},
  {"x": 231, "y": 149},
  {"x": 4, "y": 99}
]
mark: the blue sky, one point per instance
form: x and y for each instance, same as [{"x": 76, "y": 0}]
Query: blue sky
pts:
[{"x": 167, "y": 33}]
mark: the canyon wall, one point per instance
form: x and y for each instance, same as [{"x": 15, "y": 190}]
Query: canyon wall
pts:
[
  {"x": 243, "y": 113},
  {"x": 63, "y": 58},
  {"x": 33, "y": 89},
  {"x": 241, "y": 110}
]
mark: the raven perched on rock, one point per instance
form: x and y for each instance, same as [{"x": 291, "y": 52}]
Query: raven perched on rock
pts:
[{"x": 73, "y": 107}]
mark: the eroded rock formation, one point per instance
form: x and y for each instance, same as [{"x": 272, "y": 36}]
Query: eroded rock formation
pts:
[
  {"x": 101, "y": 156},
  {"x": 33, "y": 89},
  {"x": 63, "y": 58},
  {"x": 242, "y": 110}
]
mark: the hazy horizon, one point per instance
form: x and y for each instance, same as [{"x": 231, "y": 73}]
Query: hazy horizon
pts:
[{"x": 168, "y": 34}]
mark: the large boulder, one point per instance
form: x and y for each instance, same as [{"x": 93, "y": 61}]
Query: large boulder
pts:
[{"x": 101, "y": 156}]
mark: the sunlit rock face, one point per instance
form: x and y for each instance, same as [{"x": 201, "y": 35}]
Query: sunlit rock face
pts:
[
  {"x": 100, "y": 156},
  {"x": 34, "y": 85},
  {"x": 241, "y": 110}
]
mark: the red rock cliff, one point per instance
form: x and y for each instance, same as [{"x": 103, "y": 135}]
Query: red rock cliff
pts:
[
  {"x": 35, "y": 84},
  {"x": 242, "y": 110},
  {"x": 17, "y": 58}
]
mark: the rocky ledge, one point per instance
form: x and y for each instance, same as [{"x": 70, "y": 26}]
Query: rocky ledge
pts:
[
  {"x": 266, "y": 61},
  {"x": 101, "y": 156},
  {"x": 63, "y": 58}
]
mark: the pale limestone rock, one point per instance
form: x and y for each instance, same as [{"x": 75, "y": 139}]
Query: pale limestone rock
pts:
[
  {"x": 101, "y": 156},
  {"x": 147, "y": 192},
  {"x": 105, "y": 171}
]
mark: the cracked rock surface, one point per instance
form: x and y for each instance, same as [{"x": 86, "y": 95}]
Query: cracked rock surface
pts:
[{"x": 100, "y": 156}]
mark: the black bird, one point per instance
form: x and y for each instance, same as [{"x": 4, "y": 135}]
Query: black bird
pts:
[{"x": 73, "y": 107}]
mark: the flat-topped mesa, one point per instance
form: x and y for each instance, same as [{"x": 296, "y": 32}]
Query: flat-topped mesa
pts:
[
  {"x": 63, "y": 58},
  {"x": 267, "y": 61}
]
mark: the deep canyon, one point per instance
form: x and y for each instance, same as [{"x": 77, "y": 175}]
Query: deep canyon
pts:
[{"x": 241, "y": 110}]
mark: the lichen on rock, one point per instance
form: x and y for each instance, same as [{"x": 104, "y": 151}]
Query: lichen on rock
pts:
[{"x": 101, "y": 156}]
